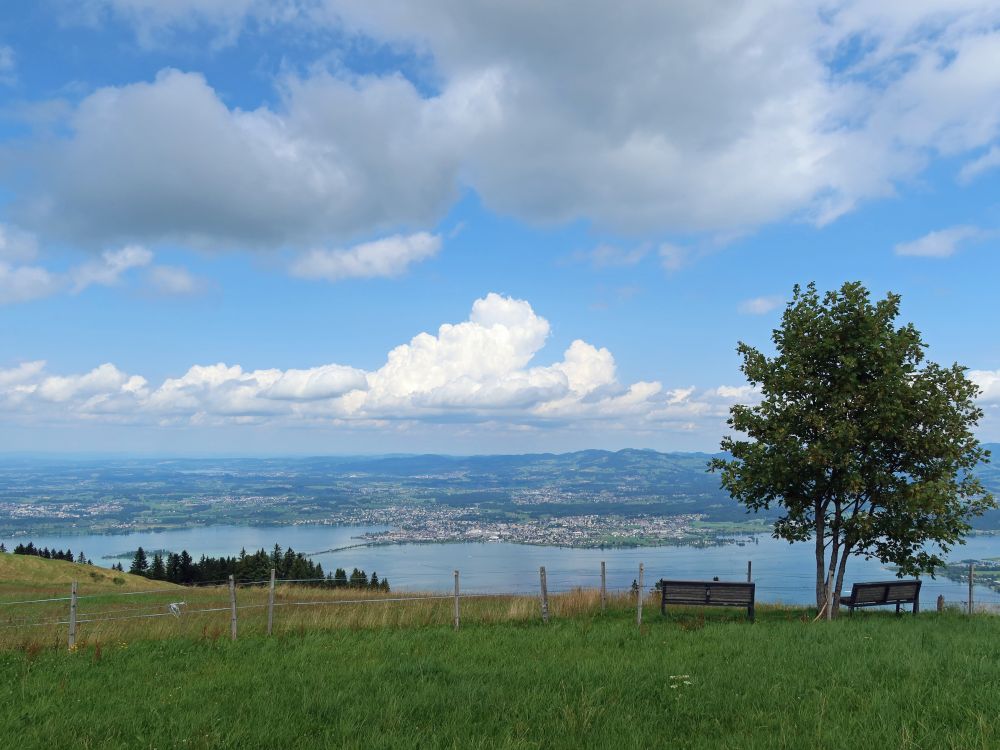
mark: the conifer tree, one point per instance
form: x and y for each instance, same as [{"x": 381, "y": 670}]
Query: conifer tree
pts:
[
  {"x": 185, "y": 569},
  {"x": 157, "y": 571},
  {"x": 81, "y": 558},
  {"x": 140, "y": 564}
]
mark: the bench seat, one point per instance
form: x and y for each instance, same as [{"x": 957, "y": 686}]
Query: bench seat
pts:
[
  {"x": 881, "y": 593},
  {"x": 708, "y": 594}
]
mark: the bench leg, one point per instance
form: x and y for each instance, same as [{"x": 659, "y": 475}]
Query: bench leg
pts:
[
  {"x": 750, "y": 612},
  {"x": 916, "y": 606},
  {"x": 897, "y": 608}
]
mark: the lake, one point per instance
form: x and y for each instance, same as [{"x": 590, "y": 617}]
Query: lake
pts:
[{"x": 783, "y": 572}]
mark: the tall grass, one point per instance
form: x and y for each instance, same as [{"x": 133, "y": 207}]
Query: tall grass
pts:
[{"x": 110, "y": 618}]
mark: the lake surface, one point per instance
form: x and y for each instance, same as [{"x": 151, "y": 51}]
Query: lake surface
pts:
[{"x": 783, "y": 572}]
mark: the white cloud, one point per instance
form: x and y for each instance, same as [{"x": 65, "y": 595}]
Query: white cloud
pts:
[
  {"x": 174, "y": 281},
  {"x": 390, "y": 256},
  {"x": 989, "y": 383},
  {"x": 611, "y": 256},
  {"x": 659, "y": 117},
  {"x": 25, "y": 283},
  {"x": 24, "y": 373},
  {"x": 940, "y": 244},
  {"x": 673, "y": 257},
  {"x": 109, "y": 269},
  {"x": 337, "y": 158},
  {"x": 985, "y": 163},
  {"x": 101, "y": 381},
  {"x": 481, "y": 370},
  {"x": 761, "y": 305}
]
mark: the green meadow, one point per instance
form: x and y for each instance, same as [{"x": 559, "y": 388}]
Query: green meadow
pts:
[{"x": 697, "y": 679}]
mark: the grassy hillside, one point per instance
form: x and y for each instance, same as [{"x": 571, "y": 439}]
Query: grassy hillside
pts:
[
  {"x": 28, "y": 576},
  {"x": 588, "y": 681}
]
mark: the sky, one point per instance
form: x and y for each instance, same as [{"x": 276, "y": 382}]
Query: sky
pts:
[{"x": 270, "y": 227}]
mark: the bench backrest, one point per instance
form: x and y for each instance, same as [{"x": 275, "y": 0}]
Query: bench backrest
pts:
[
  {"x": 708, "y": 592},
  {"x": 885, "y": 591}
]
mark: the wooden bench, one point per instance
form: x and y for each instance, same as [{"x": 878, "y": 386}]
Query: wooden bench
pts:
[
  {"x": 708, "y": 594},
  {"x": 880, "y": 593}
]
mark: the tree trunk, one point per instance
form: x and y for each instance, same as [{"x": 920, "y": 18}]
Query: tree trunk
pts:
[
  {"x": 840, "y": 578},
  {"x": 828, "y": 591},
  {"x": 820, "y": 561}
]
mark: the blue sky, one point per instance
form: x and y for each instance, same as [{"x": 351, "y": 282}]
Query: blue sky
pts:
[{"x": 313, "y": 226}]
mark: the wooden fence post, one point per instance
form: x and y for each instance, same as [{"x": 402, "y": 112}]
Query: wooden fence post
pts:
[
  {"x": 749, "y": 568},
  {"x": 940, "y": 603},
  {"x": 972, "y": 569},
  {"x": 545, "y": 594},
  {"x": 232, "y": 607},
  {"x": 457, "y": 610},
  {"x": 270, "y": 604},
  {"x": 638, "y": 611},
  {"x": 604, "y": 587},
  {"x": 72, "y": 615}
]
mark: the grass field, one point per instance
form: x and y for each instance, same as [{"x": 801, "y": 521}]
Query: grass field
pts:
[
  {"x": 394, "y": 674},
  {"x": 586, "y": 681}
]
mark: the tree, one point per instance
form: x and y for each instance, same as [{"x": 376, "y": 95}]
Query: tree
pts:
[
  {"x": 359, "y": 579},
  {"x": 864, "y": 447},
  {"x": 139, "y": 563},
  {"x": 158, "y": 571},
  {"x": 2, "y": 547},
  {"x": 340, "y": 577},
  {"x": 81, "y": 558}
]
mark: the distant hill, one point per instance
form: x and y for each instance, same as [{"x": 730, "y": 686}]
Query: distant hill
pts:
[{"x": 108, "y": 494}]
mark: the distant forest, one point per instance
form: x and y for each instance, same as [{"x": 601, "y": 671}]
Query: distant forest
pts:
[{"x": 288, "y": 565}]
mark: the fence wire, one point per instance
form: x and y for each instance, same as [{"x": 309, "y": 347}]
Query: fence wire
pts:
[{"x": 205, "y": 594}]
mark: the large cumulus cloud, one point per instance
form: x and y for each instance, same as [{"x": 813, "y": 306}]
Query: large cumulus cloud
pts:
[{"x": 480, "y": 369}]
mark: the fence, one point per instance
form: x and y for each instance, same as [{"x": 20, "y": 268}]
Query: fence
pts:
[{"x": 260, "y": 605}]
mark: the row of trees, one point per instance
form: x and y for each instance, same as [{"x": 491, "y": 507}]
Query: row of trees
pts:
[
  {"x": 287, "y": 564},
  {"x": 48, "y": 554}
]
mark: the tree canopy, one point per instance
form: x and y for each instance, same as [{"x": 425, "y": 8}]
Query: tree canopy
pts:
[{"x": 864, "y": 447}]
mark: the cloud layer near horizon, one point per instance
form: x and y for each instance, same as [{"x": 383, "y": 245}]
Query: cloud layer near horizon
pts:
[
  {"x": 657, "y": 117},
  {"x": 479, "y": 370}
]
